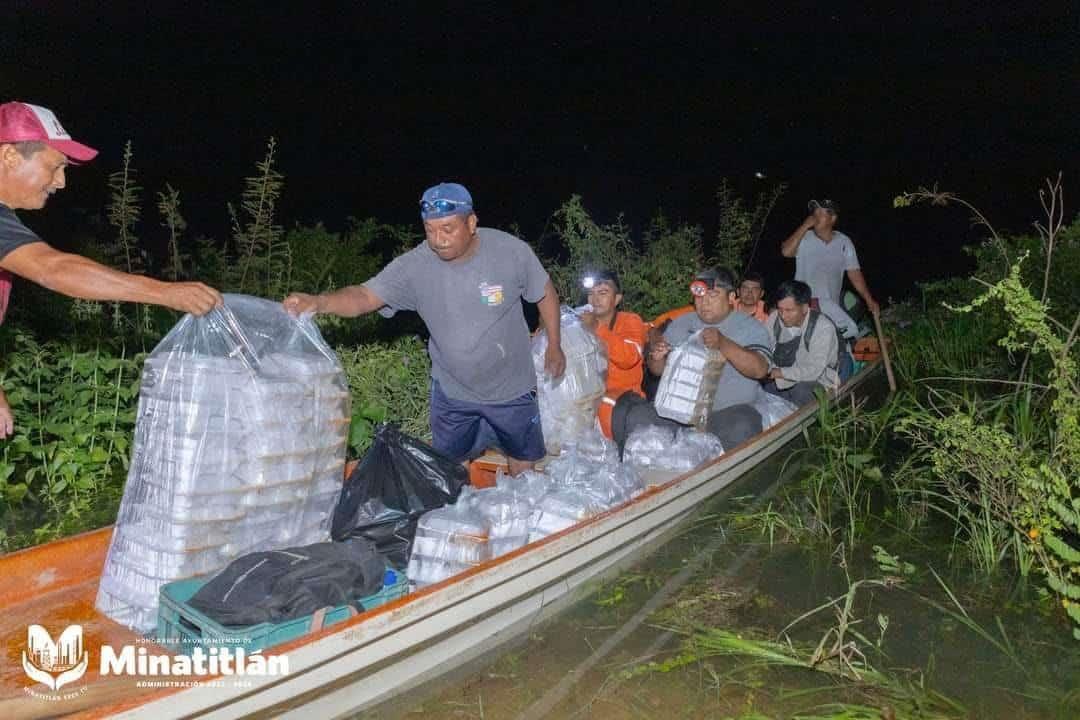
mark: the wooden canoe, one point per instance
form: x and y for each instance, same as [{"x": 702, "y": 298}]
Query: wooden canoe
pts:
[{"x": 366, "y": 660}]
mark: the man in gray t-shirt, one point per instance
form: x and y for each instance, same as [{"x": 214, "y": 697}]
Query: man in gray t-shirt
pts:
[
  {"x": 823, "y": 255},
  {"x": 467, "y": 284},
  {"x": 743, "y": 341}
]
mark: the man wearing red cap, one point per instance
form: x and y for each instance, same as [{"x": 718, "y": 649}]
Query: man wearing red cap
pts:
[{"x": 35, "y": 150}]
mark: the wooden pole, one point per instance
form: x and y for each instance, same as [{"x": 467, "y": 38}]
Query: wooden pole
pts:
[{"x": 885, "y": 353}]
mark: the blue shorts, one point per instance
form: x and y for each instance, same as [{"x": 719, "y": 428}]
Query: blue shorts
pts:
[{"x": 463, "y": 430}]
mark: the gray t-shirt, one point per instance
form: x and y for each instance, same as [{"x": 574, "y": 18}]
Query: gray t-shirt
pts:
[
  {"x": 822, "y": 265},
  {"x": 733, "y": 388},
  {"x": 479, "y": 339}
]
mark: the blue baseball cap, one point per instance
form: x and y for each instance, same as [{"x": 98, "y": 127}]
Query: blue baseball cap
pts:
[{"x": 445, "y": 199}]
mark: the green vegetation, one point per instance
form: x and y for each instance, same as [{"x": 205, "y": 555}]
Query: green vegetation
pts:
[
  {"x": 75, "y": 397},
  {"x": 983, "y": 439}
]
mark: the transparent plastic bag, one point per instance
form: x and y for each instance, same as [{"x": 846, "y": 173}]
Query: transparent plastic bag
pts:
[
  {"x": 530, "y": 485},
  {"x": 243, "y": 414},
  {"x": 646, "y": 444},
  {"x": 691, "y": 448},
  {"x": 507, "y": 512},
  {"x": 560, "y": 509},
  {"x": 773, "y": 409},
  {"x": 448, "y": 540},
  {"x": 686, "y": 389},
  {"x": 571, "y": 470},
  {"x": 592, "y": 444},
  {"x": 568, "y": 403},
  {"x": 681, "y": 449}
]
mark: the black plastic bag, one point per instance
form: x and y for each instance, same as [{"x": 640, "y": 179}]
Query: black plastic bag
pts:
[
  {"x": 281, "y": 585},
  {"x": 399, "y": 479}
]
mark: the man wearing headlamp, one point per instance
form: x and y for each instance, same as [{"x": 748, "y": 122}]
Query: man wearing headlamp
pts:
[
  {"x": 623, "y": 335},
  {"x": 743, "y": 342}
]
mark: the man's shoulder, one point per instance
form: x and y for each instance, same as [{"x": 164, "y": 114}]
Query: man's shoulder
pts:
[
  {"x": 738, "y": 324},
  {"x": 688, "y": 322},
  {"x": 629, "y": 321},
  {"x": 500, "y": 239},
  {"x": 843, "y": 238}
]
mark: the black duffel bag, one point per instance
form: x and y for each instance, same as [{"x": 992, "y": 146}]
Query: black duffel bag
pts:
[
  {"x": 399, "y": 479},
  {"x": 281, "y": 585}
]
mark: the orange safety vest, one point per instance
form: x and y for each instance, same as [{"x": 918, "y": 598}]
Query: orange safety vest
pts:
[{"x": 625, "y": 345}]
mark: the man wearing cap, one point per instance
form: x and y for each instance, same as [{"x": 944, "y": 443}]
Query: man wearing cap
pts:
[
  {"x": 823, "y": 255},
  {"x": 34, "y": 153},
  {"x": 744, "y": 343},
  {"x": 467, "y": 283},
  {"x": 623, "y": 335}
]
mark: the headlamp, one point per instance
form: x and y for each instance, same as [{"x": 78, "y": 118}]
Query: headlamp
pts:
[{"x": 588, "y": 282}]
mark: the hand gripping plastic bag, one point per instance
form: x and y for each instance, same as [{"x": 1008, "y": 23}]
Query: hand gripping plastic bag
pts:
[
  {"x": 399, "y": 479},
  {"x": 686, "y": 389},
  {"x": 239, "y": 446},
  {"x": 568, "y": 403}
]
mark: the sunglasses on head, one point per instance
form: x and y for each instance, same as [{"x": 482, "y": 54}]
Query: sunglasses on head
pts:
[{"x": 443, "y": 206}]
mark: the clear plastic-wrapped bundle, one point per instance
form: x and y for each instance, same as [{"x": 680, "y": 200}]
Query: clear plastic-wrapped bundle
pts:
[
  {"x": 560, "y": 509},
  {"x": 568, "y": 403},
  {"x": 692, "y": 447},
  {"x": 773, "y": 409},
  {"x": 530, "y": 485},
  {"x": 683, "y": 450},
  {"x": 647, "y": 444},
  {"x": 239, "y": 446},
  {"x": 593, "y": 445},
  {"x": 686, "y": 389},
  {"x": 571, "y": 470},
  {"x": 507, "y": 512},
  {"x": 448, "y": 540}
]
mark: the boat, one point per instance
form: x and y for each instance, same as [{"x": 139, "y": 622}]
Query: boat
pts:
[{"x": 364, "y": 661}]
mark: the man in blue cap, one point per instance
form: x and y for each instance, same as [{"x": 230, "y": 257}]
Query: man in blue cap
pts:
[{"x": 467, "y": 283}]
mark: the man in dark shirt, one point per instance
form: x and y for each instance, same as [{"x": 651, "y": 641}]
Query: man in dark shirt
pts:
[{"x": 34, "y": 152}]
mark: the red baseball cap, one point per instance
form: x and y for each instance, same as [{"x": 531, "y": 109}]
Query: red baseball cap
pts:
[{"x": 23, "y": 122}]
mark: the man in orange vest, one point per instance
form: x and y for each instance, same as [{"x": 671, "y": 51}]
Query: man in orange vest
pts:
[
  {"x": 623, "y": 335},
  {"x": 752, "y": 297}
]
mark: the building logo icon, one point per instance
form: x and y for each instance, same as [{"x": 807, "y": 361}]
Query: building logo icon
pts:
[{"x": 58, "y": 663}]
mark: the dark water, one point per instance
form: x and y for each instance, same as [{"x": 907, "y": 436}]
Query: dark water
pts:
[{"x": 931, "y": 661}]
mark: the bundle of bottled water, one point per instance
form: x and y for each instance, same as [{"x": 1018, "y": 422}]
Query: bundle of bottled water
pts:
[
  {"x": 239, "y": 446},
  {"x": 568, "y": 403},
  {"x": 686, "y": 389}
]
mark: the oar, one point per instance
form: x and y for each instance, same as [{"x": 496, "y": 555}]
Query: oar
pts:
[{"x": 885, "y": 353}]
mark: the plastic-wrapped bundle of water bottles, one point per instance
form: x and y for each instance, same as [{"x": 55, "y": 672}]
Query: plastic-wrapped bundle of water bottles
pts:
[
  {"x": 666, "y": 448},
  {"x": 686, "y": 389},
  {"x": 568, "y": 403},
  {"x": 448, "y": 540},
  {"x": 239, "y": 446}
]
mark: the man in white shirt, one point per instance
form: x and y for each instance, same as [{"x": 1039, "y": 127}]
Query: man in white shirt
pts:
[
  {"x": 823, "y": 255},
  {"x": 806, "y": 352}
]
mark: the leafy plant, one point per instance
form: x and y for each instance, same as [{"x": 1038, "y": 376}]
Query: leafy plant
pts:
[{"x": 388, "y": 381}]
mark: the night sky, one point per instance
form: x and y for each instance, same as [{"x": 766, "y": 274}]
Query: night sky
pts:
[{"x": 634, "y": 107}]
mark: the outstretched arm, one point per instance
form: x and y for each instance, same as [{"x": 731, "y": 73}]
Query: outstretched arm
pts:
[
  {"x": 81, "y": 277},
  {"x": 346, "y": 302}
]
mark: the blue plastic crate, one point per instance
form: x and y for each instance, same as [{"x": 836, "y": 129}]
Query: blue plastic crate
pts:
[{"x": 182, "y": 628}]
